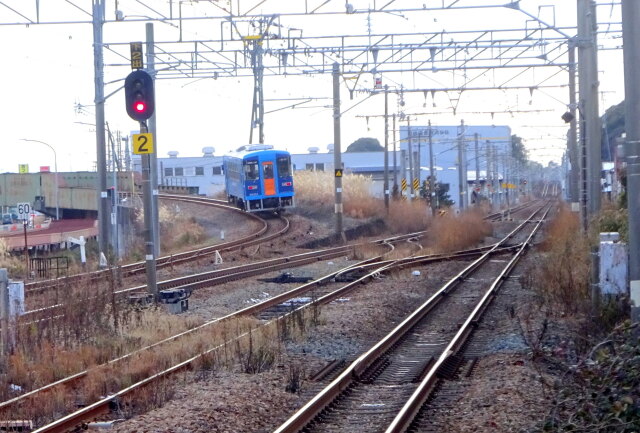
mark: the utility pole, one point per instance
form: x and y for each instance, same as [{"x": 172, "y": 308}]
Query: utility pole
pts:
[
  {"x": 101, "y": 155},
  {"x": 4, "y": 314},
  {"x": 491, "y": 173},
  {"x": 418, "y": 165},
  {"x": 154, "y": 156},
  {"x": 337, "y": 157},
  {"x": 588, "y": 74},
  {"x": 462, "y": 168},
  {"x": 410, "y": 151},
  {"x": 631, "y": 43},
  {"x": 386, "y": 148},
  {"x": 432, "y": 182},
  {"x": 574, "y": 176},
  {"x": 477, "y": 155},
  {"x": 150, "y": 262},
  {"x": 257, "y": 64},
  {"x": 395, "y": 162}
]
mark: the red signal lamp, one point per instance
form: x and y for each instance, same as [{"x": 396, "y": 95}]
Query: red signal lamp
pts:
[
  {"x": 140, "y": 107},
  {"x": 139, "y": 95}
]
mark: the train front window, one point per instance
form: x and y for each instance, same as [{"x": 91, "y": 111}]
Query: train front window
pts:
[
  {"x": 267, "y": 169},
  {"x": 251, "y": 170},
  {"x": 284, "y": 166}
]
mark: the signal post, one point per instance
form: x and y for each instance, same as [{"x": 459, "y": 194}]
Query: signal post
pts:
[{"x": 140, "y": 104}]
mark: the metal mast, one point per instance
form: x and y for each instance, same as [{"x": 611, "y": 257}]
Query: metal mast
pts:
[
  {"x": 592, "y": 130},
  {"x": 103, "y": 199},
  {"x": 631, "y": 32},
  {"x": 256, "y": 50}
]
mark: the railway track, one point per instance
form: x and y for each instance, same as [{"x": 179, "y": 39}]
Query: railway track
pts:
[
  {"x": 265, "y": 311},
  {"x": 271, "y": 311},
  {"x": 509, "y": 213},
  {"x": 253, "y": 269},
  {"x": 92, "y": 411},
  {"x": 173, "y": 259},
  {"x": 386, "y": 387}
]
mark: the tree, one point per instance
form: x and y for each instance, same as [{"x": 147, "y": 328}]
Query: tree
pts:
[
  {"x": 518, "y": 151},
  {"x": 365, "y": 144},
  {"x": 613, "y": 128}
]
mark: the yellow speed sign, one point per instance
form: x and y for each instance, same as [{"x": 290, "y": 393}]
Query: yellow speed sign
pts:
[{"x": 142, "y": 143}]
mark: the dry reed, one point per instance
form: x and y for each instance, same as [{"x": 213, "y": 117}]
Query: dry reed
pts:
[
  {"x": 562, "y": 275},
  {"x": 315, "y": 190},
  {"x": 451, "y": 232}
]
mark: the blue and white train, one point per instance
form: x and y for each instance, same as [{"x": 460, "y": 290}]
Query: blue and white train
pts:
[{"x": 259, "y": 178}]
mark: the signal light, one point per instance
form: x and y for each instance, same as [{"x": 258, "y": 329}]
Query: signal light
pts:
[{"x": 139, "y": 95}]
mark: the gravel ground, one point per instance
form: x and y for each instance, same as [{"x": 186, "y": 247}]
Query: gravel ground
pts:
[{"x": 505, "y": 394}]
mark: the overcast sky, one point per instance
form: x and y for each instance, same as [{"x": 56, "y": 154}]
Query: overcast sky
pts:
[{"x": 48, "y": 91}]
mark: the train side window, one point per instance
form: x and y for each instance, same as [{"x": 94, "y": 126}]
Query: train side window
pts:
[
  {"x": 217, "y": 170},
  {"x": 320, "y": 166},
  {"x": 199, "y": 171},
  {"x": 251, "y": 170},
  {"x": 267, "y": 169},
  {"x": 179, "y": 171},
  {"x": 168, "y": 171},
  {"x": 309, "y": 167},
  {"x": 284, "y": 166}
]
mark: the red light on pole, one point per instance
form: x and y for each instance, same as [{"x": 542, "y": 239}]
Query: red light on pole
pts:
[
  {"x": 139, "y": 95},
  {"x": 140, "y": 107}
]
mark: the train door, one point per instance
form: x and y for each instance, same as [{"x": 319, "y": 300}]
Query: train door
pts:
[{"x": 269, "y": 182}]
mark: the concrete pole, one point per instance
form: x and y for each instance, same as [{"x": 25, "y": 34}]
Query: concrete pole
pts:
[
  {"x": 101, "y": 155},
  {"x": 461, "y": 168},
  {"x": 574, "y": 176},
  {"x": 410, "y": 152},
  {"x": 491, "y": 161},
  {"x": 151, "y": 69},
  {"x": 150, "y": 260},
  {"x": 418, "y": 165},
  {"x": 337, "y": 157},
  {"x": 386, "y": 148},
  {"x": 432, "y": 182},
  {"x": 395, "y": 162},
  {"x": 403, "y": 168},
  {"x": 477, "y": 155},
  {"x": 588, "y": 73},
  {"x": 631, "y": 43},
  {"x": 4, "y": 312}
]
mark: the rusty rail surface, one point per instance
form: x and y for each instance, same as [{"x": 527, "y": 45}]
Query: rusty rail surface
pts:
[
  {"x": 172, "y": 259},
  {"x": 254, "y": 309},
  {"x": 347, "y": 378},
  {"x": 405, "y": 417}
]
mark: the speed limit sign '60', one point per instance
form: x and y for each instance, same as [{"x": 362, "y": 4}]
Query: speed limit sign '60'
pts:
[
  {"x": 142, "y": 143},
  {"x": 24, "y": 209}
]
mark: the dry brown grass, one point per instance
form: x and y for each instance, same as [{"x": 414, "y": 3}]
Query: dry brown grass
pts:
[
  {"x": 562, "y": 275},
  {"x": 178, "y": 231},
  {"x": 451, "y": 232},
  {"x": 408, "y": 216},
  {"x": 14, "y": 265},
  {"x": 315, "y": 190}
]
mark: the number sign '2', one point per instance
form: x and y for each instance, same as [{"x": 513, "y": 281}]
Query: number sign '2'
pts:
[{"x": 142, "y": 143}]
